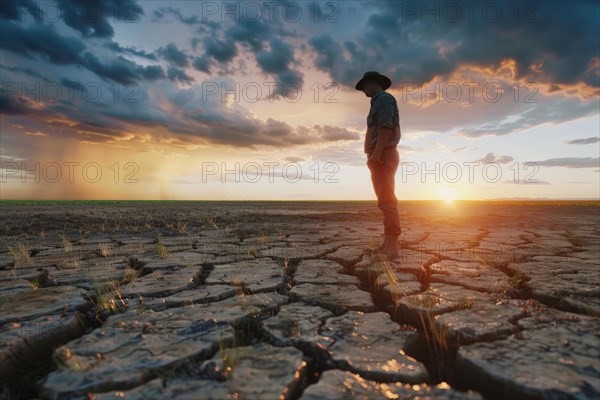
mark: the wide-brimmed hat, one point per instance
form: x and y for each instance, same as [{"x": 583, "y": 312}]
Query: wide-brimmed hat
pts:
[{"x": 374, "y": 76}]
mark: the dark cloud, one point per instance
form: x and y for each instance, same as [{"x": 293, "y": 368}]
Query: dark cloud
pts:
[
  {"x": 492, "y": 158},
  {"x": 172, "y": 54},
  {"x": 152, "y": 72},
  {"x": 90, "y": 17},
  {"x": 328, "y": 51},
  {"x": 42, "y": 40},
  {"x": 157, "y": 15},
  {"x": 570, "y": 162},
  {"x": 221, "y": 50},
  {"x": 590, "y": 140},
  {"x": 162, "y": 12},
  {"x": 202, "y": 64},
  {"x": 179, "y": 75},
  {"x": 221, "y": 43},
  {"x": 61, "y": 50},
  {"x": 414, "y": 47},
  {"x": 11, "y": 10},
  {"x": 289, "y": 82},
  {"x": 24, "y": 70},
  {"x": 120, "y": 70},
  {"x": 10, "y": 104},
  {"x": 251, "y": 34},
  {"x": 278, "y": 61},
  {"x": 130, "y": 50}
]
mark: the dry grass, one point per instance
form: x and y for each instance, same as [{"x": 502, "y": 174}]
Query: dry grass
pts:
[
  {"x": 518, "y": 280},
  {"x": 36, "y": 283},
  {"x": 230, "y": 352},
  {"x": 107, "y": 296},
  {"x": 384, "y": 266},
  {"x": 182, "y": 227},
  {"x": 66, "y": 243},
  {"x": 212, "y": 221},
  {"x": 141, "y": 306},
  {"x": 70, "y": 259},
  {"x": 21, "y": 253},
  {"x": 263, "y": 240},
  {"x": 230, "y": 358},
  {"x": 162, "y": 251},
  {"x": 130, "y": 277},
  {"x": 436, "y": 336},
  {"x": 104, "y": 250},
  {"x": 253, "y": 251}
]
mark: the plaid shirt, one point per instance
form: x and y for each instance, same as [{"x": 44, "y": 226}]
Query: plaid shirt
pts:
[{"x": 383, "y": 113}]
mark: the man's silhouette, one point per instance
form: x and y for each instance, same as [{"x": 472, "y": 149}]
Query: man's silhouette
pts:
[{"x": 383, "y": 135}]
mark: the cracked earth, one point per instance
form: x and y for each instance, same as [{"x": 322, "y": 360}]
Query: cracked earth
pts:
[{"x": 266, "y": 300}]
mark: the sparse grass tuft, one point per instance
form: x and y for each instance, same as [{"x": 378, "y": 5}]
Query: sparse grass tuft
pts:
[
  {"x": 66, "y": 243},
  {"x": 253, "y": 251},
  {"x": 130, "y": 277},
  {"x": 391, "y": 278},
  {"x": 182, "y": 227},
  {"x": 162, "y": 251},
  {"x": 141, "y": 306},
  {"x": 230, "y": 358},
  {"x": 212, "y": 221},
  {"x": 517, "y": 280},
  {"x": 104, "y": 250},
  {"x": 21, "y": 253},
  {"x": 263, "y": 240},
  {"x": 436, "y": 336},
  {"x": 42, "y": 279},
  {"x": 107, "y": 296},
  {"x": 70, "y": 260}
]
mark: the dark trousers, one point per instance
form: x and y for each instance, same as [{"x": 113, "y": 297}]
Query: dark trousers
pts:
[{"x": 383, "y": 177}]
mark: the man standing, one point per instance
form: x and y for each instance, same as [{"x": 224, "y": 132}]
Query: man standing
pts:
[{"x": 383, "y": 135}]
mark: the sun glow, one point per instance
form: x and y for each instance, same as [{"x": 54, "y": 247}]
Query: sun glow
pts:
[{"x": 448, "y": 194}]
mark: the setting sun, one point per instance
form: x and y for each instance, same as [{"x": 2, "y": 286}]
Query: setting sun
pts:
[{"x": 448, "y": 194}]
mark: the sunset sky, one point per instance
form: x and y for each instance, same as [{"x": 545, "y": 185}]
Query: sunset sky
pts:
[{"x": 160, "y": 100}]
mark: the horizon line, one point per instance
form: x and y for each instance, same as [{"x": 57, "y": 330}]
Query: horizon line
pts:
[{"x": 317, "y": 200}]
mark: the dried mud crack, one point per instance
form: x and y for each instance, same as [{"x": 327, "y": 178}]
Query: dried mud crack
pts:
[{"x": 279, "y": 300}]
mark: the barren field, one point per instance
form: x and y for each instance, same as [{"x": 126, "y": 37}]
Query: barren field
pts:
[{"x": 269, "y": 300}]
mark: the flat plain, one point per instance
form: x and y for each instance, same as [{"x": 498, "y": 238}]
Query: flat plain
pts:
[{"x": 270, "y": 300}]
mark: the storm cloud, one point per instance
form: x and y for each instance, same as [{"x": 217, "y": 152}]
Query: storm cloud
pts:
[
  {"x": 44, "y": 42},
  {"x": 412, "y": 44}
]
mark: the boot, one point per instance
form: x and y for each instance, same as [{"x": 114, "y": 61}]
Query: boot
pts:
[{"x": 390, "y": 247}]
